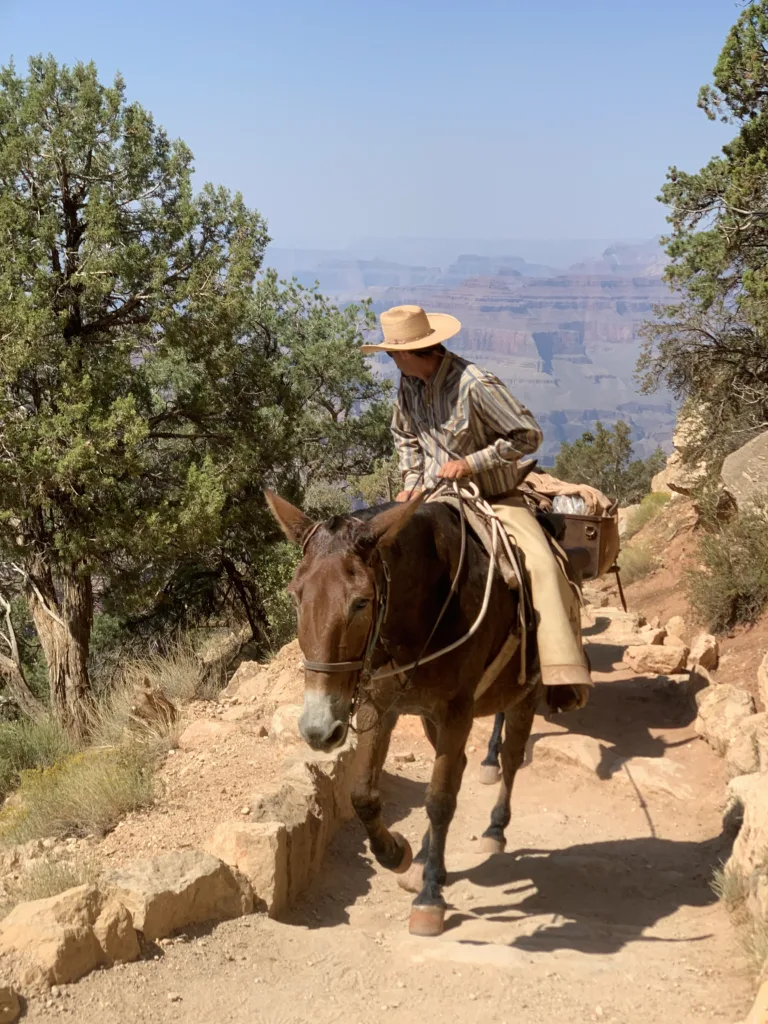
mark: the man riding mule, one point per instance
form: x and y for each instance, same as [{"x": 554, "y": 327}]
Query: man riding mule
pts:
[
  {"x": 455, "y": 421},
  {"x": 401, "y": 611}
]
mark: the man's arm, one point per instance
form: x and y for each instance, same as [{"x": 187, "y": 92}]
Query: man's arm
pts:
[
  {"x": 408, "y": 448},
  {"x": 517, "y": 432}
]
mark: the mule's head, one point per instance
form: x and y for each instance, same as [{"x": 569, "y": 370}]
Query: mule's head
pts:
[{"x": 335, "y": 593}]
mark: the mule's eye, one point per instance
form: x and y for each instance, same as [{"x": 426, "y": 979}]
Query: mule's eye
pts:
[{"x": 359, "y": 604}]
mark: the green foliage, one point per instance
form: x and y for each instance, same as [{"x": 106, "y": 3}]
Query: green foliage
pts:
[
  {"x": 29, "y": 744},
  {"x": 381, "y": 485},
  {"x": 603, "y": 459},
  {"x": 647, "y": 511},
  {"x": 711, "y": 346},
  {"x": 729, "y": 584},
  {"x": 151, "y": 381}
]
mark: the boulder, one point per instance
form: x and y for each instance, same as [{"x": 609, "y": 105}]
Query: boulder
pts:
[
  {"x": 57, "y": 938},
  {"x": 705, "y": 651},
  {"x": 10, "y": 1007},
  {"x": 279, "y": 682},
  {"x": 259, "y": 851},
  {"x": 584, "y": 751},
  {"x": 115, "y": 933},
  {"x": 759, "y": 1012},
  {"x": 762, "y": 681},
  {"x": 653, "y": 635},
  {"x": 653, "y": 660},
  {"x": 204, "y": 733},
  {"x": 748, "y": 748},
  {"x": 747, "y": 798},
  {"x": 657, "y": 773},
  {"x": 285, "y": 724},
  {"x": 676, "y": 627},
  {"x": 178, "y": 889},
  {"x": 745, "y": 472},
  {"x": 722, "y": 710},
  {"x": 625, "y": 518}
]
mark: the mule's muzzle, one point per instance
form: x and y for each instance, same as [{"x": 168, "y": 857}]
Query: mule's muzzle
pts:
[{"x": 324, "y": 724}]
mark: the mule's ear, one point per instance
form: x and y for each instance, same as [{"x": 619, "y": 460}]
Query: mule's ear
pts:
[
  {"x": 292, "y": 521},
  {"x": 385, "y": 526}
]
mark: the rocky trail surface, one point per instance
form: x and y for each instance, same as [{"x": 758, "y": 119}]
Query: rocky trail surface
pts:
[{"x": 600, "y": 910}]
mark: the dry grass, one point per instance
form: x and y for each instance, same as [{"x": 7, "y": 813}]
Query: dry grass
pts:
[
  {"x": 43, "y": 878},
  {"x": 85, "y": 794},
  {"x": 732, "y": 888},
  {"x": 30, "y": 744},
  {"x": 636, "y": 562},
  {"x": 649, "y": 508}
]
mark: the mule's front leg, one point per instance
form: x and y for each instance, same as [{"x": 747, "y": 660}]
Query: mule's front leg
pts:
[
  {"x": 428, "y": 912},
  {"x": 390, "y": 849}
]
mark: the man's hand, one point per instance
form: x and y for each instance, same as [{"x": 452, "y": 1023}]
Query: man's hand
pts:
[
  {"x": 458, "y": 469},
  {"x": 407, "y": 495}
]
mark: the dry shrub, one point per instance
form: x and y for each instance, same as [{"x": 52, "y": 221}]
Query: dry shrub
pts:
[
  {"x": 729, "y": 585},
  {"x": 636, "y": 562},
  {"x": 30, "y": 744},
  {"x": 43, "y": 878},
  {"x": 84, "y": 794},
  {"x": 649, "y": 508}
]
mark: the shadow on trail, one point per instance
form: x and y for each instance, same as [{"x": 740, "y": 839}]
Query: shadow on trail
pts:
[
  {"x": 625, "y": 716},
  {"x": 347, "y": 867},
  {"x": 598, "y": 897}
]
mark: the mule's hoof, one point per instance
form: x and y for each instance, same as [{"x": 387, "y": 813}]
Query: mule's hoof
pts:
[
  {"x": 489, "y": 775},
  {"x": 407, "y": 860},
  {"x": 427, "y": 921},
  {"x": 413, "y": 879},
  {"x": 488, "y": 844}
]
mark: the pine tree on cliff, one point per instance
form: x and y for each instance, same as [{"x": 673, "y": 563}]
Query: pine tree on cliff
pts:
[
  {"x": 711, "y": 348},
  {"x": 149, "y": 381}
]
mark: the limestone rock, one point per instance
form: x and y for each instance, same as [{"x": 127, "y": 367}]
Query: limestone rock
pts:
[
  {"x": 745, "y": 472},
  {"x": 259, "y": 850},
  {"x": 285, "y": 724},
  {"x": 722, "y": 710},
  {"x": 676, "y": 626},
  {"x": 660, "y": 774},
  {"x": 115, "y": 933},
  {"x": 174, "y": 890},
  {"x": 204, "y": 733},
  {"x": 653, "y": 635},
  {"x": 625, "y": 518},
  {"x": 748, "y": 748},
  {"x": 581, "y": 750},
  {"x": 279, "y": 682},
  {"x": 762, "y": 681},
  {"x": 748, "y": 795},
  {"x": 55, "y": 936},
  {"x": 10, "y": 1007},
  {"x": 705, "y": 651},
  {"x": 759, "y": 1012},
  {"x": 653, "y": 660}
]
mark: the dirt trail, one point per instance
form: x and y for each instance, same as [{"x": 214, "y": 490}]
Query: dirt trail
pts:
[{"x": 601, "y": 909}]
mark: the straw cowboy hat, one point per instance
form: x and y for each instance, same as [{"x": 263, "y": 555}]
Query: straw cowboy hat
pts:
[{"x": 407, "y": 328}]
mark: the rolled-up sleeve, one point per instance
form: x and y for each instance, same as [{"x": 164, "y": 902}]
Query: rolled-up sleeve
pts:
[
  {"x": 502, "y": 416},
  {"x": 409, "y": 453}
]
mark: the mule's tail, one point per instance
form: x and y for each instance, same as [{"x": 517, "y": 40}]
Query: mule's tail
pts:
[{"x": 569, "y": 697}]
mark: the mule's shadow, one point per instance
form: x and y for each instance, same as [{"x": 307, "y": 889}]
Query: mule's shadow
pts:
[
  {"x": 628, "y": 718},
  {"x": 348, "y": 871},
  {"x": 598, "y": 897}
]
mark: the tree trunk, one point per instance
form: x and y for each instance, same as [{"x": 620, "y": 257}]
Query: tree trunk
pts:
[
  {"x": 17, "y": 689},
  {"x": 63, "y": 626}
]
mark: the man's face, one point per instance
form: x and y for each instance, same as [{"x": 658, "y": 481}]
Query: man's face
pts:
[{"x": 412, "y": 365}]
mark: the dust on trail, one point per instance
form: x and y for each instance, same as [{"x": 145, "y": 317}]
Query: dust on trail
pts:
[{"x": 601, "y": 910}]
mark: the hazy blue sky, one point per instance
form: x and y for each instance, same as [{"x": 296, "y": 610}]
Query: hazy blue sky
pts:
[{"x": 483, "y": 118}]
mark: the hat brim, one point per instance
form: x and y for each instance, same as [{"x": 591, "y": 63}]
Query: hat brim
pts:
[{"x": 443, "y": 325}]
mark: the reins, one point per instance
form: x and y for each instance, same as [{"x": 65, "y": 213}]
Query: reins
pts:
[{"x": 382, "y": 597}]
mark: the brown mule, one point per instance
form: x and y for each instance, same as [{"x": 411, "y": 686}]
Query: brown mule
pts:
[{"x": 368, "y": 592}]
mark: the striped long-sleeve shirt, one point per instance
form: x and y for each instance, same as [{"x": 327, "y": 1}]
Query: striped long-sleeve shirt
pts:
[{"x": 462, "y": 412}]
